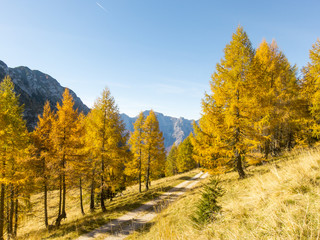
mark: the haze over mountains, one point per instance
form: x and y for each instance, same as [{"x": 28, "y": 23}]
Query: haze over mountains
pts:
[{"x": 35, "y": 88}]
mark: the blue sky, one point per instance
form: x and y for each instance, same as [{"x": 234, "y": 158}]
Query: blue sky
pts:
[{"x": 157, "y": 54}]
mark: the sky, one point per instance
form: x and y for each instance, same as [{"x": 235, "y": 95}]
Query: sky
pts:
[{"x": 151, "y": 54}]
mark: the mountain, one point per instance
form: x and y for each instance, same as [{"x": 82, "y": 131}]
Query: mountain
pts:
[
  {"x": 174, "y": 130},
  {"x": 34, "y": 89}
]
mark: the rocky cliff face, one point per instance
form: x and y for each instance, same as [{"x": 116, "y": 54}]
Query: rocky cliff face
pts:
[
  {"x": 34, "y": 89},
  {"x": 174, "y": 130}
]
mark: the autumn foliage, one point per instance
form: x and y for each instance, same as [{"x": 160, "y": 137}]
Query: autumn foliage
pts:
[{"x": 256, "y": 109}]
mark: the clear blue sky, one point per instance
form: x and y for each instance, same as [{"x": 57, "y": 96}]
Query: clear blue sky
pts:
[{"x": 156, "y": 54}]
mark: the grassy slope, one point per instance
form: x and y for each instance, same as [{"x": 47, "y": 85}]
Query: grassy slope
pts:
[
  {"x": 32, "y": 226},
  {"x": 277, "y": 201}
]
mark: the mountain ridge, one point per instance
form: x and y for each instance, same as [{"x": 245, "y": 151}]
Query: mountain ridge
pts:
[
  {"x": 174, "y": 130},
  {"x": 35, "y": 88}
]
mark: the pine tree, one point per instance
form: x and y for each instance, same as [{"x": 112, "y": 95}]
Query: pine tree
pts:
[
  {"x": 13, "y": 147},
  {"x": 154, "y": 148},
  {"x": 107, "y": 139},
  {"x": 208, "y": 205},
  {"x": 134, "y": 167},
  {"x": 226, "y": 120}
]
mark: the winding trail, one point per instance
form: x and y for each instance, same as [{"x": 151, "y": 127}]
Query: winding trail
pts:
[{"x": 125, "y": 225}]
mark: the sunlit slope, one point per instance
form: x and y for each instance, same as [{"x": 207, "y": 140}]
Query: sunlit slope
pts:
[{"x": 280, "y": 200}]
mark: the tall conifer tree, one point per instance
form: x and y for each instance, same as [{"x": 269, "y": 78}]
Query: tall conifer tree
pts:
[
  {"x": 185, "y": 160},
  {"x": 135, "y": 166},
  {"x": 63, "y": 130},
  {"x": 311, "y": 91},
  {"x": 171, "y": 161},
  {"x": 43, "y": 144},
  {"x": 275, "y": 98},
  {"x": 226, "y": 110},
  {"x": 13, "y": 145},
  {"x": 107, "y": 138},
  {"x": 154, "y": 148}
]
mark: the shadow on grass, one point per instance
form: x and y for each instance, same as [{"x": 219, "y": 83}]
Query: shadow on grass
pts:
[
  {"x": 184, "y": 178},
  {"x": 145, "y": 228}
]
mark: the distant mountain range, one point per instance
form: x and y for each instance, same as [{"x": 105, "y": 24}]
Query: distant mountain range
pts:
[
  {"x": 35, "y": 88},
  {"x": 174, "y": 130}
]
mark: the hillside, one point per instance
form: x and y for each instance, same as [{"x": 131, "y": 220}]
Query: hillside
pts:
[{"x": 280, "y": 200}]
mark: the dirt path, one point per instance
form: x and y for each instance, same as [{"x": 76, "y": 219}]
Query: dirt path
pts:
[{"x": 123, "y": 226}]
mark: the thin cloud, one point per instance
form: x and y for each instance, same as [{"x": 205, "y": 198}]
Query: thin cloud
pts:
[{"x": 99, "y": 5}]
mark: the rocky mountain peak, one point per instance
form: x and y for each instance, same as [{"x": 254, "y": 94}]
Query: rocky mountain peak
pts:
[
  {"x": 174, "y": 130},
  {"x": 34, "y": 89}
]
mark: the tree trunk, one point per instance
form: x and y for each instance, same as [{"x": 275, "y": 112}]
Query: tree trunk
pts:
[
  {"x": 16, "y": 217},
  {"x": 148, "y": 172},
  {"x": 8, "y": 214},
  {"x": 81, "y": 202},
  {"x": 237, "y": 155},
  {"x": 64, "y": 194},
  {"x": 140, "y": 172},
  {"x": 60, "y": 195},
  {"x": 46, "y": 205},
  {"x": 11, "y": 212},
  {"x": 239, "y": 165},
  {"x": 45, "y": 193},
  {"x": 3, "y": 189},
  {"x": 103, "y": 207},
  {"x": 92, "y": 193},
  {"x": 63, "y": 208},
  {"x": 267, "y": 149}
]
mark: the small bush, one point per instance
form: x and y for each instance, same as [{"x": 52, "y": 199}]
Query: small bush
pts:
[{"x": 208, "y": 206}]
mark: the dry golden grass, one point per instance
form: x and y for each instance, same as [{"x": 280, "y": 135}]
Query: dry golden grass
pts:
[
  {"x": 280, "y": 200},
  {"x": 32, "y": 226}
]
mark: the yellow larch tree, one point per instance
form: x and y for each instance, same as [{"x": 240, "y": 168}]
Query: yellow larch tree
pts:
[
  {"x": 154, "y": 148},
  {"x": 311, "y": 92},
  {"x": 80, "y": 166},
  {"x": 14, "y": 141},
  {"x": 171, "y": 161},
  {"x": 134, "y": 168},
  {"x": 62, "y": 135},
  {"x": 44, "y": 153},
  {"x": 276, "y": 98},
  {"x": 226, "y": 122},
  {"x": 107, "y": 140},
  {"x": 185, "y": 160}
]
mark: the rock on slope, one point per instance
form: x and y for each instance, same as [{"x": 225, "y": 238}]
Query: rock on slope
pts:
[{"x": 35, "y": 88}]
